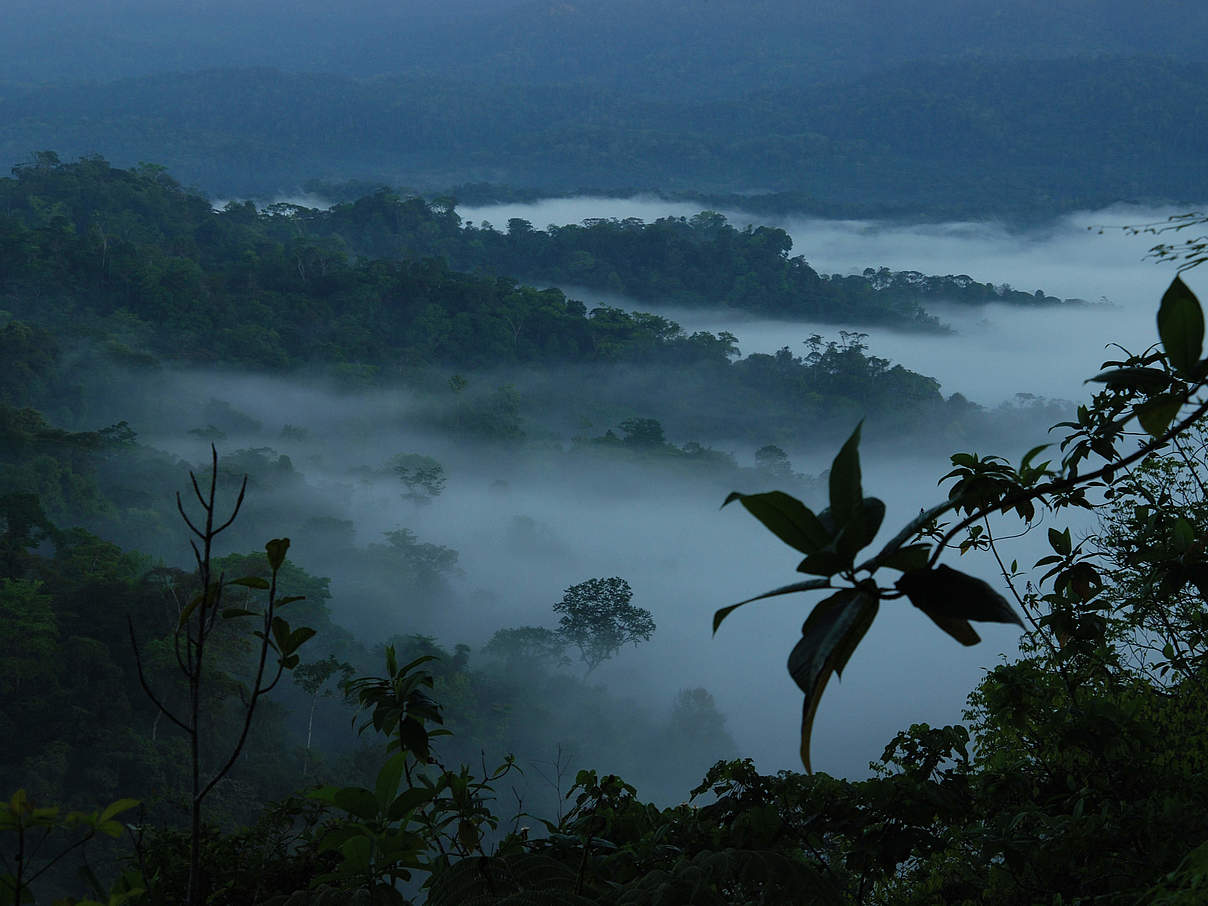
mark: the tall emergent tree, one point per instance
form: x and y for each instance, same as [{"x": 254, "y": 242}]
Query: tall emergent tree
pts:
[{"x": 598, "y": 619}]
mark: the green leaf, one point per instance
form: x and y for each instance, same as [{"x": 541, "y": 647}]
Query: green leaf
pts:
[
  {"x": 251, "y": 582},
  {"x": 957, "y": 628},
  {"x": 846, "y": 492},
  {"x": 276, "y": 552},
  {"x": 110, "y": 828},
  {"x": 1184, "y": 534},
  {"x": 297, "y": 639},
  {"x": 1027, "y": 457},
  {"x": 952, "y": 598},
  {"x": 1147, "y": 380},
  {"x": 281, "y": 633},
  {"x": 189, "y": 609},
  {"x": 289, "y": 599},
  {"x": 356, "y": 801},
  {"x": 1181, "y": 327},
  {"x": 358, "y": 854},
  {"x": 861, "y": 528},
  {"x": 116, "y": 808},
  {"x": 808, "y": 585},
  {"x": 230, "y": 613},
  {"x": 911, "y": 530},
  {"x": 388, "y": 779},
  {"x": 407, "y": 801},
  {"x": 828, "y": 637},
  {"x": 1155, "y": 415},
  {"x": 1060, "y": 541},
  {"x": 786, "y": 517},
  {"x": 825, "y": 562},
  {"x": 912, "y": 556}
]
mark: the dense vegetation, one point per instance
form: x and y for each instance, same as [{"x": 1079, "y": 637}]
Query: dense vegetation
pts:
[
  {"x": 141, "y": 272},
  {"x": 1077, "y": 777}
]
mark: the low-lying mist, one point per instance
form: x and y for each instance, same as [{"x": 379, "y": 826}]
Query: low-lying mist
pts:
[
  {"x": 529, "y": 520},
  {"x": 999, "y": 350}
]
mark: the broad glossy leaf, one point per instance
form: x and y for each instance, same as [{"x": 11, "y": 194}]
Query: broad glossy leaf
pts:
[
  {"x": 1184, "y": 534},
  {"x": 829, "y": 636},
  {"x": 846, "y": 491},
  {"x": 825, "y": 562},
  {"x": 230, "y": 613},
  {"x": 281, "y": 633},
  {"x": 276, "y": 552},
  {"x": 959, "y": 629},
  {"x": 904, "y": 559},
  {"x": 388, "y": 779},
  {"x": 786, "y": 517},
  {"x": 909, "y": 531},
  {"x": 1148, "y": 380},
  {"x": 1181, "y": 327},
  {"x": 861, "y": 528},
  {"x": 189, "y": 609},
  {"x": 1155, "y": 415},
  {"x": 951, "y": 598},
  {"x": 356, "y": 801},
  {"x": 1060, "y": 541},
  {"x": 251, "y": 582},
  {"x": 116, "y": 808},
  {"x": 408, "y": 800},
  {"x": 808, "y": 585},
  {"x": 297, "y": 639},
  {"x": 358, "y": 854}
]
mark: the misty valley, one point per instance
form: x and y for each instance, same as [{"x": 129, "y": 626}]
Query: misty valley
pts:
[{"x": 489, "y": 445}]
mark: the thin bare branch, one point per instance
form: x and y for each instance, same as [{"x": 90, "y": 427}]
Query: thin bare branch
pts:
[
  {"x": 235, "y": 511},
  {"x": 142, "y": 679},
  {"x": 180, "y": 508}
]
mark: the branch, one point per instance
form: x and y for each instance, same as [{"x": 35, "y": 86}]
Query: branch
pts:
[
  {"x": 1064, "y": 484},
  {"x": 235, "y": 511},
  {"x": 257, "y": 691},
  {"x": 143, "y": 680}
]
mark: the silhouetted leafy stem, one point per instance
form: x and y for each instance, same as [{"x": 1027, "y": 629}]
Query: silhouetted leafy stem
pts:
[{"x": 1153, "y": 388}]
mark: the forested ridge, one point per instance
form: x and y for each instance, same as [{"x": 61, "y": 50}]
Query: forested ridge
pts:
[
  {"x": 142, "y": 272},
  {"x": 949, "y": 138},
  {"x": 1078, "y": 775}
]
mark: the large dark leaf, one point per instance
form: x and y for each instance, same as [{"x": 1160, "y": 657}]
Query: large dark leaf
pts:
[
  {"x": 846, "y": 491},
  {"x": 276, "y": 552},
  {"x": 1181, "y": 327},
  {"x": 1147, "y": 380},
  {"x": 828, "y": 638},
  {"x": 861, "y": 528},
  {"x": 807, "y": 585},
  {"x": 849, "y": 538},
  {"x": 786, "y": 517},
  {"x": 1156, "y": 414},
  {"x": 825, "y": 562},
  {"x": 952, "y": 598},
  {"x": 909, "y": 532},
  {"x": 357, "y": 801}
]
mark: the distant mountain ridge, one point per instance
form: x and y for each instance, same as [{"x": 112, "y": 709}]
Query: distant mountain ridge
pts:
[
  {"x": 671, "y": 49},
  {"x": 966, "y": 138}
]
